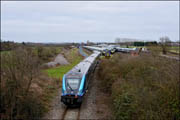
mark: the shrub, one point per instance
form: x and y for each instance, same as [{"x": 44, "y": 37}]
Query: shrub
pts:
[
  {"x": 18, "y": 71},
  {"x": 143, "y": 87}
]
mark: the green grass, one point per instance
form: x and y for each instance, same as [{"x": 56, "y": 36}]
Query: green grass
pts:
[
  {"x": 58, "y": 72},
  {"x": 5, "y": 52},
  {"x": 174, "y": 49}
]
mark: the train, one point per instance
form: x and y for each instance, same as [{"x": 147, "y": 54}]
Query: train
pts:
[
  {"x": 75, "y": 82},
  {"x": 105, "y": 51}
]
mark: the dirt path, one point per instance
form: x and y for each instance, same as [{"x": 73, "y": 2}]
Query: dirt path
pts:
[{"x": 58, "y": 60}]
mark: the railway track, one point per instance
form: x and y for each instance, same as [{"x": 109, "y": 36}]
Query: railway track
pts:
[{"x": 71, "y": 113}]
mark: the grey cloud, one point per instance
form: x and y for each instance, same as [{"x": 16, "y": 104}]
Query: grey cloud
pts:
[{"x": 79, "y": 21}]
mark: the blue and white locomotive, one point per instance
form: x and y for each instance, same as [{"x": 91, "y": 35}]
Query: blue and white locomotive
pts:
[{"x": 75, "y": 82}]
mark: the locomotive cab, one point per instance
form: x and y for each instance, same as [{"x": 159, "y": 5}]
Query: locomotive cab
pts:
[{"x": 72, "y": 90}]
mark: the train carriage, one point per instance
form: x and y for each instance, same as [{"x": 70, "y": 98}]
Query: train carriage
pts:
[{"x": 75, "y": 82}]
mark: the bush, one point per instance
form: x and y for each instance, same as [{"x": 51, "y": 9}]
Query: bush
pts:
[
  {"x": 143, "y": 87},
  {"x": 18, "y": 71},
  {"x": 46, "y": 53}
]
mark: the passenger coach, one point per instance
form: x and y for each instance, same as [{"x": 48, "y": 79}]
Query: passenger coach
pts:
[{"x": 75, "y": 82}]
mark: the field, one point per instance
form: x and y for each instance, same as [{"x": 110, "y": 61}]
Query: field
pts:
[{"x": 174, "y": 49}]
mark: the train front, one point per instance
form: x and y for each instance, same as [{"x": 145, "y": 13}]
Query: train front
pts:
[{"x": 72, "y": 88}]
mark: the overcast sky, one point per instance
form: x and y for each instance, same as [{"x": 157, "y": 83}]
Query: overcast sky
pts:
[{"x": 97, "y": 21}]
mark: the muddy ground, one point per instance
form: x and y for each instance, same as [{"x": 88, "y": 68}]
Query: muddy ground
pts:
[{"x": 94, "y": 106}]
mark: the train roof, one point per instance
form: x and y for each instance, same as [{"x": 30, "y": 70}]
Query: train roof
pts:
[
  {"x": 84, "y": 65},
  {"x": 95, "y": 48}
]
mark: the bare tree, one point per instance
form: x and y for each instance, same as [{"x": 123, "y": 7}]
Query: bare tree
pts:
[
  {"x": 18, "y": 70},
  {"x": 39, "y": 51},
  {"x": 165, "y": 42}
]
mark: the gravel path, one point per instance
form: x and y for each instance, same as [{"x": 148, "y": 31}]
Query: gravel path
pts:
[{"x": 58, "y": 60}]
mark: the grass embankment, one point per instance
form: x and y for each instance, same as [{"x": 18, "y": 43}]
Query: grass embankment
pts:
[
  {"x": 143, "y": 87},
  {"x": 73, "y": 58}
]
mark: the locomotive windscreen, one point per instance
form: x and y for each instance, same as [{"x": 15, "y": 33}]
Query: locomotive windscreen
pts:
[{"x": 73, "y": 83}]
